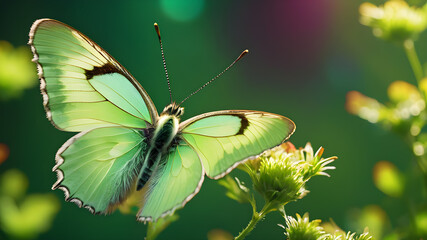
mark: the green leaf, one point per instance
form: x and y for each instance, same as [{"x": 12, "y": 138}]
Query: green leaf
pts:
[{"x": 235, "y": 189}]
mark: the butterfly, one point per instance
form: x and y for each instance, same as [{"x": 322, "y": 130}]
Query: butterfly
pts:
[{"x": 123, "y": 145}]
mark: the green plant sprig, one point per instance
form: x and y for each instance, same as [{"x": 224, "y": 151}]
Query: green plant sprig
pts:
[{"x": 279, "y": 176}]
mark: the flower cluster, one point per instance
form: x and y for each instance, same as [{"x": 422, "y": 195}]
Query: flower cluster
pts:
[
  {"x": 395, "y": 20},
  {"x": 301, "y": 228},
  {"x": 404, "y": 113},
  {"x": 279, "y": 174}
]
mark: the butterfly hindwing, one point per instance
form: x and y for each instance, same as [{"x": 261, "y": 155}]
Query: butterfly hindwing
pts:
[
  {"x": 173, "y": 184},
  {"x": 96, "y": 169},
  {"x": 224, "y": 139},
  {"x": 83, "y": 87}
]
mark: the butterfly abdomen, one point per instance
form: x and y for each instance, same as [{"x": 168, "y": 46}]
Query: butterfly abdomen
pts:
[{"x": 165, "y": 132}]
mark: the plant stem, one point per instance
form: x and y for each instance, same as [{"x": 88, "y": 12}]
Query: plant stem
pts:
[
  {"x": 409, "y": 47},
  {"x": 256, "y": 217},
  {"x": 420, "y": 160}
]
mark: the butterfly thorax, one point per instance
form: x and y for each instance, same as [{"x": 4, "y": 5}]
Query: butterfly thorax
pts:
[{"x": 166, "y": 130}]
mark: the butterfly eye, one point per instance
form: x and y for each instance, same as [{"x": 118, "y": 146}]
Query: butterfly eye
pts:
[{"x": 180, "y": 111}]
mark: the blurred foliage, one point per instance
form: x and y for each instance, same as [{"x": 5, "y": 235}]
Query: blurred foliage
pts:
[
  {"x": 374, "y": 217},
  {"x": 405, "y": 114},
  {"x": 17, "y": 72},
  {"x": 421, "y": 223},
  {"x": 24, "y": 216},
  {"x": 395, "y": 20},
  {"x": 131, "y": 204}
]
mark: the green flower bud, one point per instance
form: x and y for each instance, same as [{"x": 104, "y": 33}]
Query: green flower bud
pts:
[
  {"x": 280, "y": 180},
  {"x": 394, "y": 21},
  {"x": 280, "y": 174},
  {"x": 302, "y": 228},
  {"x": 350, "y": 236}
]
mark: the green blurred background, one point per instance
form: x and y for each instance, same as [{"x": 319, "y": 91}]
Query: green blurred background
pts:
[{"x": 304, "y": 57}]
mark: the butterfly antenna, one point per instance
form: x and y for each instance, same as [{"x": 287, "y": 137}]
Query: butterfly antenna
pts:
[
  {"x": 156, "y": 26},
  {"x": 217, "y": 76}
]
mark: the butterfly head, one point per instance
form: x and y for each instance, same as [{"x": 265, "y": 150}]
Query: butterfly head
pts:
[{"x": 173, "y": 109}]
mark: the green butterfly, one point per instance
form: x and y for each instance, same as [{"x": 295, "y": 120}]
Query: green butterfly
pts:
[{"x": 124, "y": 145}]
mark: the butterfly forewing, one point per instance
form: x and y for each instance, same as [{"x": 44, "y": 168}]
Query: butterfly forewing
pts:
[
  {"x": 224, "y": 139},
  {"x": 83, "y": 87}
]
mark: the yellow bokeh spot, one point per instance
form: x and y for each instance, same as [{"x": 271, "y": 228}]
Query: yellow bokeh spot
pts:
[
  {"x": 421, "y": 223},
  {"x": 375, "y": 218},
  {"x": 13, "y": 183},
  {"x": 400, "y": 91},
  {"x": 388, "y": 179},
  {"x": 17, "y": 72}
]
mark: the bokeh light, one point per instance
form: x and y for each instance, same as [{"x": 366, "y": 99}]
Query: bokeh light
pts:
[
  {"x": 13, "y": 183},
  {"x": 184, "y": 10},
  {"x": 17, "y": 72},
  {"x": 374, "y": 217},
  {"x": 4, "y": 152},
  {"x": 388, "y": 179}
]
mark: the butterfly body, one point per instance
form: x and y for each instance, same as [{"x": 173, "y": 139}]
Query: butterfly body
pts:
[
  {"x": 165, "y": 134},
  {"x": 123, "y": 146}
]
